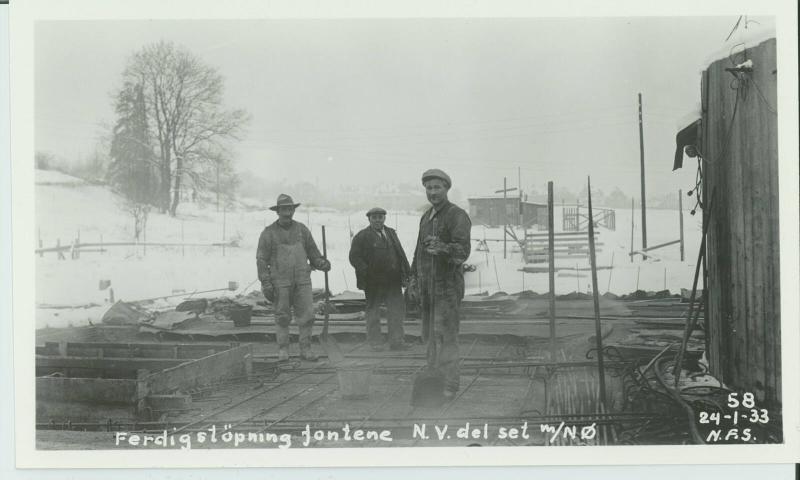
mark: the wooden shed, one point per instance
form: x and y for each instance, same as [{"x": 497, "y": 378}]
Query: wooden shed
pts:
[
  {"x": 737, "y": 140},
  {"x": 496, "y": 211}
]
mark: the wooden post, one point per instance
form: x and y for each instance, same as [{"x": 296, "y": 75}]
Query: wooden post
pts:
[
  {"x": 596, "y": 298},
  {"x": 496, "y": 276},
  {"x": 521, "y": 219},
  {"x": 632, "y": 214},
  {"x": 58, "y": 249},
  {"x": 680, "y": 216},
  {"x": 610, "y": 272},
  {"x": 551, "y": 269},
  {"x": 638, "y": 271},
  {"x": 641, "y": 162},
  {"x": 41, "y": 254},
  {"x": 505, "y": 216}
]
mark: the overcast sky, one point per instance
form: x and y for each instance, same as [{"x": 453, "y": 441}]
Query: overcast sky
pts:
[{"x": 377, "y": 101}]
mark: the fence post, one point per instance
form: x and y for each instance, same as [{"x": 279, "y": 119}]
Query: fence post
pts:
[
  {"x": 58, "y": 250},
  {"x": 680, "y": 216}
]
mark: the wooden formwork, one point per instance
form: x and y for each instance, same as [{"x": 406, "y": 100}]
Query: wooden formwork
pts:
[{"x": 150, "y": 382}]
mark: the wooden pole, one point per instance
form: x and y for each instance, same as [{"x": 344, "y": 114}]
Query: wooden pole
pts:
[
  {"x": 505, "y": 216},
  {"x": 224, "y": 214},
  {"x": 680, "y": 216},
  {"x": 610, "y": 272},
  {"x": 641, "y": 162},
  {"x": 638, "y": 271},
  {"x": 596, "y": 298},
  {"x": 496, "y": 276},
  {"x": 632, "y": 214},
  {"x": 521, "y": 219},
  {"x": 551, "y": 240}
]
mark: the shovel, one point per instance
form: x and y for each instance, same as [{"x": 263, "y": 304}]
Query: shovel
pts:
[
  {"x": 428, "y": 389},
  {"x": 332, "y": 350}
]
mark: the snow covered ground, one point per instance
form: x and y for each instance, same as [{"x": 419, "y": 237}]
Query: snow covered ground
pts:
[{"x": 66, "y": 208}]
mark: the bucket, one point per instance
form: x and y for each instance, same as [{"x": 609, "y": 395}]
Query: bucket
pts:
[
  {"x": 354, "y": 380},
  {"x": 240, "y": 314}
]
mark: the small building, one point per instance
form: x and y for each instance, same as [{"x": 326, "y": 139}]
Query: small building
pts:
[
  {"x": 499, "y": 211},
  {"x": 735, "y": 143}
]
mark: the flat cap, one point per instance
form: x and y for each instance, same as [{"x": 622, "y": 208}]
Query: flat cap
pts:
[
  {"x": 376, "y": 210},
  {"x": 436, "y": 173}
]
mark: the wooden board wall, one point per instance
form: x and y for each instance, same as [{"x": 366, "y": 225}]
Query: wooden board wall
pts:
[{"x": 740, "y": 161}]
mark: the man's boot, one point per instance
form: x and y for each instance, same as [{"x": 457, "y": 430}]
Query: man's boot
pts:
[
  {"x": 282, "y": 339},
  {"x": 306, "y": 353},
  {"x": 305, "y": 344}
]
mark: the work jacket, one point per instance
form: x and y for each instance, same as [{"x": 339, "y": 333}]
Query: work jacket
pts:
[
  {"x": 453, "y": 227},
  {"x": 378, "y": 260},
  {"x": 285, "y": 255}
]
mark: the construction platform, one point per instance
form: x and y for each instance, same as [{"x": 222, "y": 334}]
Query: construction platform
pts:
[{"x": 202, "y": 374}]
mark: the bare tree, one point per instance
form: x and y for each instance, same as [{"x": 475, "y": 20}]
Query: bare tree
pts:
[{"x": 189, "y": 127}]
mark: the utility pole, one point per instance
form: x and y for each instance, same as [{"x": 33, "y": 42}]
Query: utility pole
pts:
[
  {"x": 505, "y": 191},
  {"x": 641, "y": 163}
]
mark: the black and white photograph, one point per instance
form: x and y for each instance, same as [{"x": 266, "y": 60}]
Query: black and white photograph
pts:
[{"x": 313, "y": 239}]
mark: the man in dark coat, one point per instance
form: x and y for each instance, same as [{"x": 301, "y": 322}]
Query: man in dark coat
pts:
[
  {"x": 381, "y": 271},
  {"x": 443, "y": 245}
]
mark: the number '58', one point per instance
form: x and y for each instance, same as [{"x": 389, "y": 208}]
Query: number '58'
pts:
[{"x": 748, "y": 400}]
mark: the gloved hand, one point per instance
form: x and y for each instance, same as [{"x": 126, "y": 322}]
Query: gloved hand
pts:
[
  {"x": 323, "y": 264},
  {"x": 268, "y": 290},
  {"x": 434, "y": 246}
]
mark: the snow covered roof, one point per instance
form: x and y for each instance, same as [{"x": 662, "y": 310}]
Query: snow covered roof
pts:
[{"x": 749, "y": 33}]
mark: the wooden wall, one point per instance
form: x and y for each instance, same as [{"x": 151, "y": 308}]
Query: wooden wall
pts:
[{"x": 743, "y": 304}]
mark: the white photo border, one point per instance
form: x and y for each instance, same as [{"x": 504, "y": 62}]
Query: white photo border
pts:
[{"x": 25, "y": 13}]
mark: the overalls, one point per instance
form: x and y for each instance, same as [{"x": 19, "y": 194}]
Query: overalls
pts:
[{"x": 291, "y": 275}]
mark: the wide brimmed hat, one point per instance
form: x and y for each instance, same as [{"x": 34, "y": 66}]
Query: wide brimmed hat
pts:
[
  {"x": 284, "y": 201},
  {"x": 376, "y": 210}
]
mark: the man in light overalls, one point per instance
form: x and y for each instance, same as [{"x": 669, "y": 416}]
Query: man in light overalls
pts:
[{"x": 285, "y": 256}]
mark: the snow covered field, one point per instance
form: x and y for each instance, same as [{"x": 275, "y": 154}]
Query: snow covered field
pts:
[{"x": 67, "y": 207}]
